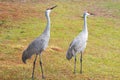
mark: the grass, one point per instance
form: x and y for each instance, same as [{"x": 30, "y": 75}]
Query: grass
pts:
[{"x": 18, "y": 27}]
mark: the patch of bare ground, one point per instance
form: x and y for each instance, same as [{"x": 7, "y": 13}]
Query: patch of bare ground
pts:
[
  {"x": 100, "y": 10},
  {"x": 16, "y": 11},
  {"x": 55, "y": 48}
]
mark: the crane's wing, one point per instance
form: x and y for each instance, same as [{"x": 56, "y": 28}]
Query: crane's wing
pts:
[
  {"x": 38, "y": 44},
  {"x": 75, "y": 42},
  {"x": 35, "y": 47},
  {"x": 78, "y": 44},
  {"x": 72, "y": 43},
  {"x": 71, "y": 50}
]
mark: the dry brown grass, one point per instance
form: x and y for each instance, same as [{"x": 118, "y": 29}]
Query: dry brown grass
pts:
[{"x": 16, "y": 11}]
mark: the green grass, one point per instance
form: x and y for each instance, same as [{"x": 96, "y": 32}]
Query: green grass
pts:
[{"x": 101, "y": 57}]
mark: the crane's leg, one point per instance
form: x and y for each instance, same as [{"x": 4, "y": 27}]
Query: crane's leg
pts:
[
  {"x": 81, "y": 63},
  {"x": 75, "y": 64},
  {"x": 41, "y": 66},
  {"x": 34, "y": 67}
]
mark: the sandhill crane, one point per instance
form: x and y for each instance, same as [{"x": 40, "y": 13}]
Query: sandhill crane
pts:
[
  {"x": 39, "y": 44},
  {"x": 79, "y": 44}
]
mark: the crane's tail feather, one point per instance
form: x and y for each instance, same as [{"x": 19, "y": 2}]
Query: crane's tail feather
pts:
[
  {"x": 23, "y": 58},
  {"x": 26, "y": 56},
  {"x": 69, "y": 54}
]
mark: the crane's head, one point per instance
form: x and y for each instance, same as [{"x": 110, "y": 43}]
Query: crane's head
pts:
[
  {"x": 87, "y": 14},
  {"x": 48, "y": 10}
]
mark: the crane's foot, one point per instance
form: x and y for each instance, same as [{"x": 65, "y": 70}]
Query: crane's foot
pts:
[
  {"x": 74, "y": 72},
  {"x": 32, "y": 78},
  {"x": 43, "y": 77},
  {"x": 80, "y": 72}
]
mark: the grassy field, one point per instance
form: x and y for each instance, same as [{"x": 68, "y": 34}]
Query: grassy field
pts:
[{"x": 21, "y": 22}]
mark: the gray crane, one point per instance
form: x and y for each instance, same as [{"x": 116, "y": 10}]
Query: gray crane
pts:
[
  {"x": 39, "y": 44},
  {"x": 79, "y": 43}
]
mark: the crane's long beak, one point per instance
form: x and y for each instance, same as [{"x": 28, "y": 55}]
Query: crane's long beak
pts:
[
  {"x": 92, "y": 14},
  {"x": 53, "y": 7}
]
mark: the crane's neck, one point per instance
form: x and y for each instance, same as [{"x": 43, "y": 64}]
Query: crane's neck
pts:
[
  {"x": 85, "y": 23},
  {"x": 47, "y": 29}
]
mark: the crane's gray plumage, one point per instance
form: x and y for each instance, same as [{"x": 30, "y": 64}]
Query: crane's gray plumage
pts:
[
  {"x": 79, "y": 43},
  {"x": 36, "y": 47},
  {"x": 39, "y": 44}
]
